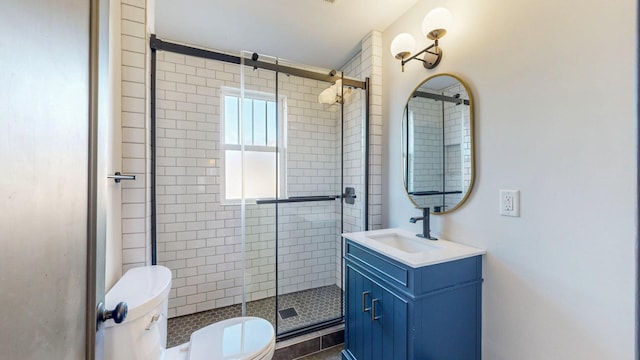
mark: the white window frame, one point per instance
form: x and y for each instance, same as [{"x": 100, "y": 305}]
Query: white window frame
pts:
[{"x": 281, "y": 111}]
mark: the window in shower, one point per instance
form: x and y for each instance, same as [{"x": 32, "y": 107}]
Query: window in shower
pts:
[{"x": 252, "y": 122}]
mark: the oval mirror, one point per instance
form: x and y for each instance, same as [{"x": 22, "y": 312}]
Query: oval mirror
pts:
[{"x": 437, "y": 144}]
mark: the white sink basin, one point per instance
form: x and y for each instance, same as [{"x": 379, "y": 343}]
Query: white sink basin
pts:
[
  {"x": 405, "y": 247},
  {"x": 399, "y": 241}
]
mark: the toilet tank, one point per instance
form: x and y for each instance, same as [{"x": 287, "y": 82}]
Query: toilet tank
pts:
[{"x": 143, "y": 334}]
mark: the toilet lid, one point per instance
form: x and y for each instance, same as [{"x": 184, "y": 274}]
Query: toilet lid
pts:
[{"x": 237, "y": 338}]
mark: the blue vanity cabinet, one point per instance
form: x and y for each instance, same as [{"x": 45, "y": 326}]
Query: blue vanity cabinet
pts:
[{"x": 393, "y": 311}]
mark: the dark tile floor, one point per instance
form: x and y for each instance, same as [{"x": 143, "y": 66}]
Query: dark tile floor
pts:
[{"x": 312, "y": 306}]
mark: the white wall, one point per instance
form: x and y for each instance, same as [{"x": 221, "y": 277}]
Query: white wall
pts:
[{"x": 554, "y": 85}]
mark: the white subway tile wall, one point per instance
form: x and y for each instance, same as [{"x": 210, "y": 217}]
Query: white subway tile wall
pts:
[
  {"x": 425, "y": 163},
  {"x": 136, "y": 135},
  {"x": 371, "y": 66},
  {"x": 354, "y": 125}
]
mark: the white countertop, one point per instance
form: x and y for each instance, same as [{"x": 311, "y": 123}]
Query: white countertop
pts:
[{"x": 422, "y": 253}]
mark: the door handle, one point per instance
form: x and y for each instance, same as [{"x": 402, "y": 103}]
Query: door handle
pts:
[
  {"x": 373, "y": 310},
  {"x": 364, "y": 302},
  {"x": 118, "y": 314},
  {"x": 117, "y": 177}
]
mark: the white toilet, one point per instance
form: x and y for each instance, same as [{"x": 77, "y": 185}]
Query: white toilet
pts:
[{"x": 143, "y": 334}]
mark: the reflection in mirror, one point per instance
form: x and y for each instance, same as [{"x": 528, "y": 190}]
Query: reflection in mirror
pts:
[{"x": 437, "y": 144}]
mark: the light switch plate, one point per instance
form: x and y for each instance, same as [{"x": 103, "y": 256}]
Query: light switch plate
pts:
[{"x": 509, "y": 202}]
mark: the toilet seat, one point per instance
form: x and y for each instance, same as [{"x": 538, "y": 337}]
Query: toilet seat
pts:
[{"x": 249, "y": 338}]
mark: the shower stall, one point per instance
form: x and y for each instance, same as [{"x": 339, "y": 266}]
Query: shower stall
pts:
[{"x": 259, "y": 166}]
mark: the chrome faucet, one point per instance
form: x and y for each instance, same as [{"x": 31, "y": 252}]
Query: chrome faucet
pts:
[{"x": 426, "y": 231}]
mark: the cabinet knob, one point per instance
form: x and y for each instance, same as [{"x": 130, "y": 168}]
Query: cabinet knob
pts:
[
  {"x": 364, "y": 302},
  {"x": 373, "y": 310}
]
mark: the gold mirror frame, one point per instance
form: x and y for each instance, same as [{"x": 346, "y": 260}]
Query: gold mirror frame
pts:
[{"x": 403, "y": 144}]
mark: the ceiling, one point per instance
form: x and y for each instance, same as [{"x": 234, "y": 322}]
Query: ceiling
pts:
[{"x": 311, "y": 32}]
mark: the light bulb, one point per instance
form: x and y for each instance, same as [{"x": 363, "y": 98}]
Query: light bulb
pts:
[
  {"x": 436, "y": 23},
  {"x": 402, "y": 46}
]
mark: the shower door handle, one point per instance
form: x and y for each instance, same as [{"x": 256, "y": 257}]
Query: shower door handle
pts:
[{"x": 295, "y": 199}]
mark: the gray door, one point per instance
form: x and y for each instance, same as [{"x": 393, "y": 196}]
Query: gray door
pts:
[{"x": 50, "y": 214}]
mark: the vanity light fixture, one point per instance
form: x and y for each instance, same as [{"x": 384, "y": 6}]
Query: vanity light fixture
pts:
[{"x": 434, "y": 27}]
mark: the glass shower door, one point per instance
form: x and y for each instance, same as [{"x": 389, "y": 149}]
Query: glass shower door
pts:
[
  {"x": 302, "y": 149},
  {"x": 321, "y": 148}
]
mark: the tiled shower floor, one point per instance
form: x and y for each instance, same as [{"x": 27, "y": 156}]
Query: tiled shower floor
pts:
[{"x": 313, "y": 306}]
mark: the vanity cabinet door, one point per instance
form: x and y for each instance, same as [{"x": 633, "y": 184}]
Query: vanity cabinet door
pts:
[
  {"x": 358, "y": 326},
  {"x": 390, "y": 324},
  {"x": 376, "y": 320}
]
